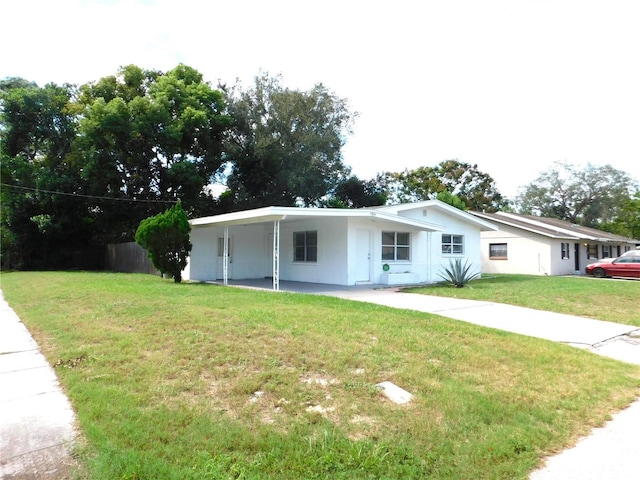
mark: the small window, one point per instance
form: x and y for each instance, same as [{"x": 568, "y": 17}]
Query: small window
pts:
[
  {"x": 305, "y": 246},
  {"x": 498, "y": 251},
  {"x": 564, "y": 251},
  {"x": 607, "y": 251},
  {"x": 396, "y": 246},
  {"x": 452, "y": 244},
  {"x": 592, "y": 251}
]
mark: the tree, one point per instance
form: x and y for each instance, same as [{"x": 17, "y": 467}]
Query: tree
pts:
[
  {"x": 355, "y": 193},
  {"x": 590, "y": 196},
  {"x": 166, "y": 238},
  {"x": 627, "y": 220},
  {"x": 38, "y": 126},
  {"x": 474, "y": 188},
  {"x": 447, "y": 197},
  {"x": 149, "y": 137},
  {"x": 285, "y": 145}
]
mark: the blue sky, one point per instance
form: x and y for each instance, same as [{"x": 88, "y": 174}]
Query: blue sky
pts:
[{"x": 509, "y": 85}]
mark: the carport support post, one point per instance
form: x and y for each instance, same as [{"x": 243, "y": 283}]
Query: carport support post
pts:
[
  {"x": 225, "y": 257},
  {"x": 276, "y": 254}
]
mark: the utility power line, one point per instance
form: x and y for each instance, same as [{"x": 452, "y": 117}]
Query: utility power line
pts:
[{"x": 79, "y": 195}]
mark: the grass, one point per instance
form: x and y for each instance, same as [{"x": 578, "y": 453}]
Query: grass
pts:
[
  {"x": 164, "y": 376},
  {"x": 603, "y": 299}
]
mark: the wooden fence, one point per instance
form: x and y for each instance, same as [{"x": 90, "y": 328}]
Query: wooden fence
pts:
[{"x": 128, "y": 257}]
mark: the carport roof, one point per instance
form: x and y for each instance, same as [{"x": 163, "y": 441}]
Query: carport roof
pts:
[{"x": 270, "y": 214}]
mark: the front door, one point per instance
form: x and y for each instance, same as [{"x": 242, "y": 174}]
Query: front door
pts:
[
  {"x": 576, "y": 256},
  {"x": 363, "y": 256}
]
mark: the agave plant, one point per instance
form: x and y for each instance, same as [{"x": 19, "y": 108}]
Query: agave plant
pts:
[{"x": 458, "y": 274}]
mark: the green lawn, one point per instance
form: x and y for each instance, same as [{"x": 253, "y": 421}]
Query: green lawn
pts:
[
  {"x": 164, "y": 377},
  {"x": 600, "y": 298}
]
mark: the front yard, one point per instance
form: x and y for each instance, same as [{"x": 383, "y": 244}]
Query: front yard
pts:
[
  {"x": 600, "y": 298},
  {"x": 194, "y": 381}
]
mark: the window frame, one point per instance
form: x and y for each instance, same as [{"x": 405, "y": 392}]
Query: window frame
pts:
[
  {"x": 452, "y": 244},
  {"x": 564, "y": 251},
  {"x": 308, "y": 248},
  {"x": 395, "y": 247},
  {"x": 499, "y": 257}
]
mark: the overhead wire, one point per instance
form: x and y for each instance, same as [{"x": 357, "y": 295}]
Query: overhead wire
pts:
[{"x": 80, "y": 195}]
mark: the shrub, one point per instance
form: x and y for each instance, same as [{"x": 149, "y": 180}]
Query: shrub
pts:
[
  {"x": 166, "y": 238},
  {"x": 458, "y": 274}
]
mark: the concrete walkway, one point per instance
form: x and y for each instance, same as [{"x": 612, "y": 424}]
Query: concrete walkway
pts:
[{"x": 36, "y": 419}]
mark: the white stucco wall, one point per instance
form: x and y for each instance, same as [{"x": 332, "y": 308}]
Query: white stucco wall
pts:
[
  {"x": 453, "y": 225},
  {"x": 533, "y": 254},
  {"x": 526, "y": 254},
  {"x": 341, "y": 249}
]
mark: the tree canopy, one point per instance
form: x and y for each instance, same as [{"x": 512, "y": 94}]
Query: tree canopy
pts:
[
  {"x": 84, "y": 165},
  {"x": 285, "y": 145},
  {"x": 145, "y": 135},
  {"x": 476, "y": 189},
  {"x": 589, "y": 196}
]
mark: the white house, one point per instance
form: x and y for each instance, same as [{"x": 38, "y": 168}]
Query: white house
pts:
[
  {"x": 533, "y": 245},
  {"x": 400, "y": 244}
]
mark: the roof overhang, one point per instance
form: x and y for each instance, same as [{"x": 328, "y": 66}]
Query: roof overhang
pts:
[{"x": 271, "y": 214}]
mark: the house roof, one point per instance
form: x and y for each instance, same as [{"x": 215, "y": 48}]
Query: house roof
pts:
[
  {"x": 270, "y": 214},
  {"x": 553, "y": 228},
  {"x": 437, "y": 204}
]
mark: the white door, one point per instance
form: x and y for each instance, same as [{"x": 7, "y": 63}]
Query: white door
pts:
[{"x": 363, "y": 256}]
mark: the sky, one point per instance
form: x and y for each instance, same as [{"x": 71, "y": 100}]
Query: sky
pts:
[{"x": 511, "y": 86}]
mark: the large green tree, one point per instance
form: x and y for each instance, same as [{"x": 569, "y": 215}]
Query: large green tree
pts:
[
  {"x": 37, "y": 129},
  {"x": 590, "y": 196},
  {"x": 285, "y": 145},
  {"x": 476, "y": 189},
  {"x": 149, "y": 137}
]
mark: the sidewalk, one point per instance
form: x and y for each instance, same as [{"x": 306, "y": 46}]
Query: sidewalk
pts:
[{"x": 36, "y": 419}]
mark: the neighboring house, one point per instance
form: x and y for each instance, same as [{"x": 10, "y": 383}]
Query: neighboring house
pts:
[
  {"x": 400, "y": 244},
  {"x": 544, "y": 246}
]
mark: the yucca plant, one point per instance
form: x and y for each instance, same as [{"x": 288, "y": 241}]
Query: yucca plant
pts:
[{"x": 458, "y": 274}]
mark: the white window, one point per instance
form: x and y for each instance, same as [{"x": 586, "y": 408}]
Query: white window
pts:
[
  {"x": 305, "y": 246},
  {"x": 396, "y": 246},
  {"x": 564, "y": 251},
  {"x": 452, "y": 244},
  {"x": 606, "y": 251}
]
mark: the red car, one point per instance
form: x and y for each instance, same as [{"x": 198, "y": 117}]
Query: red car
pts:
[{"x": 625, "y": 266}]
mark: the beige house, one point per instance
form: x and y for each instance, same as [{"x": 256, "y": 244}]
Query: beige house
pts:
[{"x": 532, "y": 245}]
